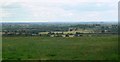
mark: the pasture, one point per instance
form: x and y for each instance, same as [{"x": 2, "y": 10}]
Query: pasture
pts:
[{"x": 59, "y": 48}]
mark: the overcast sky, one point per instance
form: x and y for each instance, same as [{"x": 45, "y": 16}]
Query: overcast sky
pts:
[{"x": 59, "y": 10}]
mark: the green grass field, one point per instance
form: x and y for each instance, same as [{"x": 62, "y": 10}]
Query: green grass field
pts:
[{"x": 59, "y": 48}]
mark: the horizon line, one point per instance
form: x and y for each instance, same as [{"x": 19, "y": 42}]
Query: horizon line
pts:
[{"x": 55, "y": 21}]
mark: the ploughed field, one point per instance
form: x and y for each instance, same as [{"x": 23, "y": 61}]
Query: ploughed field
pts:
[{"x": 59, "y": 48}]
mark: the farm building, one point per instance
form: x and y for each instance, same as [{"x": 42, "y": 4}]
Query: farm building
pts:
[
  {"x": 17, "y": 33},
  {"x": 2, "y": 33},
  {"x": 43, "y": 33},
  {"x": 10, "y": 33},
  {"x": 70, "y": 32},
  {"x": 52, "y": 35},
  {"x": 64, "y": 35},
  {"x": 84, "y": 31},
  {"x": 71, "y": 35}
]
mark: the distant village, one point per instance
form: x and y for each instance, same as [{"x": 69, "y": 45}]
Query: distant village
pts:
[
  {"x": 56, "y": 29},
  {"x": 72, "y": 32}
]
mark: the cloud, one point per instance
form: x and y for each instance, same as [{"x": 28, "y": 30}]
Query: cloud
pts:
[{"x": 58, "y": 10}]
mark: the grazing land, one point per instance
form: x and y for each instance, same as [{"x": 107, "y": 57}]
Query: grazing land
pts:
[{"x": 104, "y": 47}]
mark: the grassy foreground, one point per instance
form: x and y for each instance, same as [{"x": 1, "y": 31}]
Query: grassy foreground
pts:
[{"x": 59, "y": 48}]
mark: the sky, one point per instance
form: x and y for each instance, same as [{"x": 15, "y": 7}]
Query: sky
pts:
[{"x": 59, "y": 10}]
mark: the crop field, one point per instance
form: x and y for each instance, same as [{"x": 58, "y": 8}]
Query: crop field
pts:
[{"x": 59, "y": 48}]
